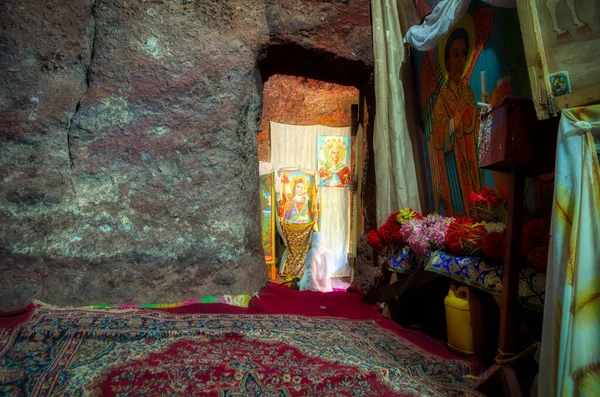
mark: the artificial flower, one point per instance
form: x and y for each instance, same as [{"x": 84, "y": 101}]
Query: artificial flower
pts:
[
  {"x": 436, "y": 229},
  {"x": 493, "y": 245},
  {"x": 374, "y": 240},
  {"x": 538, "y": 257},
  {"x": 535, "y": 233},
  {"x": 407, "y": 214},
  {"x": 487, "y": 197},
  {"x": 464, "y": 236},
  {"x": 495, "y": 227},
  {"x": 389, "y": 232},
  {"x": 412, "y": 232}
]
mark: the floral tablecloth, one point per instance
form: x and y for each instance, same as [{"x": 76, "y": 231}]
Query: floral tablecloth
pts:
[{"x": 472, "y": 271}]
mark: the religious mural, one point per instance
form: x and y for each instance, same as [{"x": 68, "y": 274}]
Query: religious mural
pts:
[
  {"x": 267, "y": 218},
  {"x": 298, "y": 197},
  {"x": 334, "y": 157},
  {"x": 572, "y": 19},
  {"x": 479, "y": 60},
  {"x": 570, "y": 31}
]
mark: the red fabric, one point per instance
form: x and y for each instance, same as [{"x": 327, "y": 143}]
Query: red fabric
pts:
[
  {"x": 220, "y": 308},
  {"x": 271, "y": 369},
  {"x": 10, "y": 319},
  {"x": 278, "y": 299},
  {"x": 156, "y": 352}
]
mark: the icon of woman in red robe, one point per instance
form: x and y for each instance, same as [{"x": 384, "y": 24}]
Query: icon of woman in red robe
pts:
[{"x": 334, "y": 173}]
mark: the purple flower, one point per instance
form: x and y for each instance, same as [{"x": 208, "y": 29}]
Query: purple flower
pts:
[{"x": 424, "y": 234}]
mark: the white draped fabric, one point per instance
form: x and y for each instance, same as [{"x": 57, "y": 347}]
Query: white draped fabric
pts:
[
  {"x": 395, "y": 171},
  {"x": 443, "y": 17},
  {"x": 570, "y": 354},
  {"x": 295, "y": 146}
]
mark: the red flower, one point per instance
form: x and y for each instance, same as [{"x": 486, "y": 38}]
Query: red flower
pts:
[
  {"x": 486, "y": 197},
  {"x": 492, "y": 245},
  {"x": 536, "y": 233},
  {"x": 464, "y": 221},
  {"x": 389, "y": 232},
  {"x": 374, "y": 240},
  {"x": 463, "y": 237},
  {"x": 538, "y": 257}
]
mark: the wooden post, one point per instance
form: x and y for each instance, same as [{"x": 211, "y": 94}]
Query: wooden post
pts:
[
  {"x": 507, "y": 344},
  {"x": 510, "y": 292}
]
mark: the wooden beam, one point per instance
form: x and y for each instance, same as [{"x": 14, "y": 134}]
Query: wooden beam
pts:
[
  {"x": 510, "y": 291},
  {"x": 545, "y": 105}
]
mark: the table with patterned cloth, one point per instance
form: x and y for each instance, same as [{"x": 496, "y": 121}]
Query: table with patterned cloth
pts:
[
  {"x": 406, "y": 261},
  {"x": 472, "y": 271}
]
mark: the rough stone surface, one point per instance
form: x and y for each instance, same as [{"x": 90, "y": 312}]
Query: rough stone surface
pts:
[
  {"x": 368, "y": 274},
  {"x": 303, "y": 101},
  {"x": 128, "y": 150}
]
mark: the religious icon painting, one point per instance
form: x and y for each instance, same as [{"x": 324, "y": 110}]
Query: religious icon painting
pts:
[
  {"x": 267, "y": 218},
  {"x": 560, "y": 83},
  {"x": 297, "y": 203},
  {"x": 334, "y": 160}
]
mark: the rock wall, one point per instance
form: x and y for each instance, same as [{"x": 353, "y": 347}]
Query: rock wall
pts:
[
  {"x": 302, "y": 101},
  {"x": 128, "y": 150}
]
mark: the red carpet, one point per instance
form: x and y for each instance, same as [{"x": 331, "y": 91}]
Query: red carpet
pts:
[{"x": 228, "y": 352}]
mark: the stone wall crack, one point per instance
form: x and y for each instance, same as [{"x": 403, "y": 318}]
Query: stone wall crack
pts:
[{"x": 92, "y": 40}]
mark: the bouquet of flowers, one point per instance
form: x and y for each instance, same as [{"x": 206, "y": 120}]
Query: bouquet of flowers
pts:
[
  {"x": 480, "y": 235},
  {"x": 388, "y": 236},
  {"x": 461, "y": 236}
]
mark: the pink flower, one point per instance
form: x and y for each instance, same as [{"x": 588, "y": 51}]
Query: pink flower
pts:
[{"x": 436, "y": 229}]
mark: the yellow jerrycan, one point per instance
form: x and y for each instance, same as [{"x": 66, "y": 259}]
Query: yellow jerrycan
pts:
[{"x": 463, "y": 321}]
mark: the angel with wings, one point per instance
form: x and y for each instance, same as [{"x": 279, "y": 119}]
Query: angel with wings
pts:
[{"x": 451, "y": 130}]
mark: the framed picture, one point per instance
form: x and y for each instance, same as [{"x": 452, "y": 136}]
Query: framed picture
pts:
[
  {"x": 334, "y": 160},
  {"x": 298, "y": 198}
]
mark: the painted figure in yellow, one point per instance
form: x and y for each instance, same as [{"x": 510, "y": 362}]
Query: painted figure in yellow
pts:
[
  {"x": 453, "y": 151},
  {"x": 298, "y": 206}
]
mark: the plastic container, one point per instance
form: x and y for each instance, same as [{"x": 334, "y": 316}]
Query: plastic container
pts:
[{"x": 463, "y": 321}]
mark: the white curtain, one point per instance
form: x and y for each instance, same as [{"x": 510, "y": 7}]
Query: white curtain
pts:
[
  {"x": 295, "y": 146},
  {"x": 443, "y": 17},
  {"x": 395, "y": 171},
  {"x": 570, "y": 354}
]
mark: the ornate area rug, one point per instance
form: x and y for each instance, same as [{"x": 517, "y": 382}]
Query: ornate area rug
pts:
[{"x": 116, "y": 352}]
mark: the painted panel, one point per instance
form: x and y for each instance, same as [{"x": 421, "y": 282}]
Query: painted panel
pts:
[
  {"x": 571, "y": 35},
  {"x": 267, "y": 218},
  {"x": 298, "y": 199},
  {"x": 334, "y": 158},
  {"x": 480, "y": 60}
]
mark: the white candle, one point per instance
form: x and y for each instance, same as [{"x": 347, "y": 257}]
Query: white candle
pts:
[{"x": 482, "y": 83}]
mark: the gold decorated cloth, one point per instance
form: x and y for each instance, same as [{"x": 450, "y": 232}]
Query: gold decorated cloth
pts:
[{"x": 297, "y": 239}]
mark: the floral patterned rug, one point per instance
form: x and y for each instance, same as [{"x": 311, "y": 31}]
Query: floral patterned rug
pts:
[{"x": 128, "y": 352}]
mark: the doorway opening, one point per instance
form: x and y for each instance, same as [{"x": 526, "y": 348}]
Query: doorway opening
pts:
[{"x": 303, "y": 88}]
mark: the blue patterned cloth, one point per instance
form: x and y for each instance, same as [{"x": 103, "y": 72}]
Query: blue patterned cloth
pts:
[
  {"x": 404, "y": 260},
  {"x": 477, "y": 273},
  {"x": 472, "y": 271}
]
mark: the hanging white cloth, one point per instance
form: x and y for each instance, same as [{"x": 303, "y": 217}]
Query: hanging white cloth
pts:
[
  {"x": 570, "y": 354},
  {"x": 443, "y": 17},
  {"x": 395, "y": 171},
  {"x": 295, "y": 146},
  {"x": 265, "y": 168}
]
